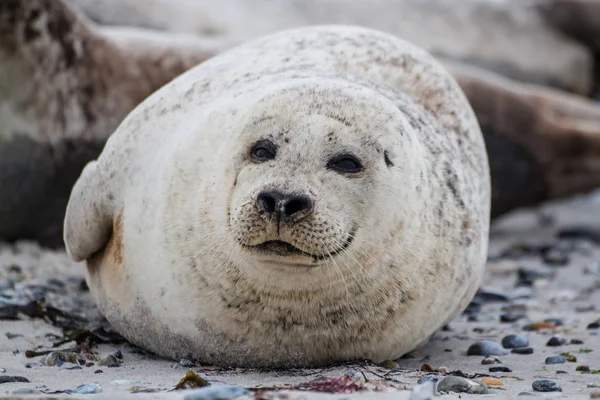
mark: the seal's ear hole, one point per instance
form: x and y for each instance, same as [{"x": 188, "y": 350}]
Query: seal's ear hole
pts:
[
  {"x": 386, "y": 157},
  {"x": 263, "y": 150},
  {"x": 345, "y": 163}
]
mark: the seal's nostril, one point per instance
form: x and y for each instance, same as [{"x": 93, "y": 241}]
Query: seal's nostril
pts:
[
  {"x": 267, "y": 201},
  {"x": 296, "y": 205}
]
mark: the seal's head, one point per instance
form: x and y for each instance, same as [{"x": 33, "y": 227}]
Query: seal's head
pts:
[{"x": 321, "y": 173}]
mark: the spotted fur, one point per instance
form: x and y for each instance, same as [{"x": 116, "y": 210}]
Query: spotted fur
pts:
[{"x": 169, "y": 206}]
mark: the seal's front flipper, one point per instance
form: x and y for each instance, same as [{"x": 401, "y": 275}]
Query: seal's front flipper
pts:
[{"x": 88, "y": 220}]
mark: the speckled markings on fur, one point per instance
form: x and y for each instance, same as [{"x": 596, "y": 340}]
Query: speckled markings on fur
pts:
[{"x": 166, "y": 216}]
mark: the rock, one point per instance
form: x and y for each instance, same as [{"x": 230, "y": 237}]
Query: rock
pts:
[
  {"x": 545, "y": 385},
  {"x": 427, "y": 378},
  {"x": 525, "y": 168},
  {"x": 515, "y": 341},
  {"x": 555, "y": 321},
  {"x": 425, "y": 391},
  {"x": 492, "y": 381},
  {"x": 556, "y": 341},
  {"x": 580, "y": 232},
  {"x": 582, "y": 368},
  {"x": 57, "y": 114},
  {"x": 12, "y": 379},
  {"x": 486, "y": 348},
  {"x": 187, "y": 363},
  {"x": 490, "y": 360},
  {"x": 580, "y": 19},
  {"x": 500, "y": 369},
  {"x": 594, "y": 325},
  {"x": 555, "y": 360},
  {"x": 511, "y": 317},
  {"x": 576, "y": 341},
  {"x": 500, "y": 36},
  {"x": 221, "y": 392},
  {"x": 556, "y": 257},
  {"x": 528, "y": 275},
  {"x": 490, "y": 295},
  {"x": 522, "y": 350},
  {"x": 25, "y": 392},
  {"x": 89, "y": 388},
  {"x": 390, "y": 364},
  {"x": 457, "y": 384}
]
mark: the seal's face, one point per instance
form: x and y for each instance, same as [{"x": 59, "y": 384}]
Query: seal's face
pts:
[{"x": 310, "y": 176}]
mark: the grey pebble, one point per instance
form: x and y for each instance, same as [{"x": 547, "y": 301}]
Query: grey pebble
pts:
[
  {"x": 522, "y": 350},
  {"x": 457, "y": 384},
  {"x": 556, "y": 341},
  {"x": 544, "y": 385},
  {"x": 222, "y": 392},
  {"x": 486, "y": 348},
  {"x": 427, "y": 378},
  {"x": 491, "y": 360},
  {"x": 88, "y": 388},
  {"x": 555, "y": 359},
  {"x": 12, "y": 379},
  {"x": 576, "y": 341},
  {"x": 500, "y": 369},
  {"x": 515, "y": 341},
  {"x": 594, "y": 325},
  {"x": 511, "y": 317},
  {"x": 24, "y": 392}
]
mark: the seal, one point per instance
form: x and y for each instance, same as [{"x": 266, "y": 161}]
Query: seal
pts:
[{"x": 313, "y": 196}]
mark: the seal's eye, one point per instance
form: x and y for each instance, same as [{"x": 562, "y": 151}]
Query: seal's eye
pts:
[
  {"x": 345, "y": 163},
  {"x": 263, "y": 150}
]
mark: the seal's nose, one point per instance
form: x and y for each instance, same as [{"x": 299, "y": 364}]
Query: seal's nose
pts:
[{"x": 285, "y": 207}]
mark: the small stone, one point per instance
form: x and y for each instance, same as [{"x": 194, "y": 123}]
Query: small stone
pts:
[
  {"x": 492, "y": 381},
  {"x": 490, "y": 360},
  {"x": 390, "y": 364},
  {"x": 556, "y": 257},
  {"x": 457, "y": 384},
  {"x": 526, "y": 394},
  {"x": 526, "y": 276},
  {"x": 593, "y": 385},
  {"x": 109, "y": 361},
  {"x": 556, "y": 341},
  {"x": 576, "y": 341},
  {"x": 491, "y": 296},
  {"x": 569, "y": 357},
  {"x": 25, "y": 392},
  {"x": 442, "y": 370},
  {"x": 98, "y": 371},
  {"x": 511, "y": 317},
  {"x": 561, "y": 372},
  {"x": 74, "y": 367},
  {"x": 500, "y": 369},
  {"x": 88, "y": 388},
  {"x": 515, "y": 341},
  {"x": 486, "y": 348},
  {"x": 117, "y": 354},
  {"x": 187, "y": 363},
  {"x": 555, "y": 360},
  {"x": 538, "y": 326},
  {"x": 428, "y": 378},
  {"x": 544, "y": 385},
  {"x": 555, "y": 321},
  {"x": 221, "y": 392},
  {"x": 583, "y": 368},
  {"x": 89, "y": 364},
  {"x": 426, "y": 368},
  {"x": 594, "y": 325},
  {"x": 580, "y": 232},
  {"x": 522, "y": 350},
  {"x": 12, "y": 379}
]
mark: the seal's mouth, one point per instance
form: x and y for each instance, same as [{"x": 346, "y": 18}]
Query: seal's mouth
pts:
[{"x": 285, "y": 249}]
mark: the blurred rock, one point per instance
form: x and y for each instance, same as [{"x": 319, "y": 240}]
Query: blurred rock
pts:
[
  {"x": 65, "y": 85},
  {"x": 500, "y": 36}
]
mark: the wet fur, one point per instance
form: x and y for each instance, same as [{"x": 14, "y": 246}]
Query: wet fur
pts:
[{"x": 160, "y": 216}]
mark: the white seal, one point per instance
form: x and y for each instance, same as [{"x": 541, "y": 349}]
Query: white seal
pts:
[{"x": 314, "y": 196}]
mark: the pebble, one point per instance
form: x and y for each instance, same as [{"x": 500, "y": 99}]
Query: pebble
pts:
[
  {"x": 492, "y": 381},
  {"x": 428, "y": 378},
  {"x": 221, "y": 392},
  {"x": 25, "y": 392},
  {"x": 442, "y": 370},
  {"x": 425, "y": 391},
  {"x": 526, "y": 394},
  {"x": 88, "y": 388},
  {"x": 187, "y": 363},
  {"x": 109, "y": 361},
  {"x": 582, "y": 368},
  {"x": 594, "y": 325},
  {"x": 390, "y": 364},
  {"x": 526, "y": 276},
  {"x": 500, "y": 369},
  {"x": 555, "y": 360},
  {"x": 522, "y": 350},
  {"x": 490, "y": 360},
  {"x": 457, "y": 384},
  {"x": 491, "y": 296},
  {"x": 593, "y": 385},
  {"x": 556, "y": 341},
  {"x": 545, "y": 385},
  {"x": 576, "y": 341},
  {"x": 486, "y": 348},
  {"x": 580, "y": 232},
  {"x": 538, "y": 326},
  {"x": 515, "y": 341},
  {"x": 117, "y": 354},
  {"x": 555, "y": 321},
  {"x": 555, "y": 256},
  {"x": 511, "y": 317},
  {"x": 12, "y": 379}
]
